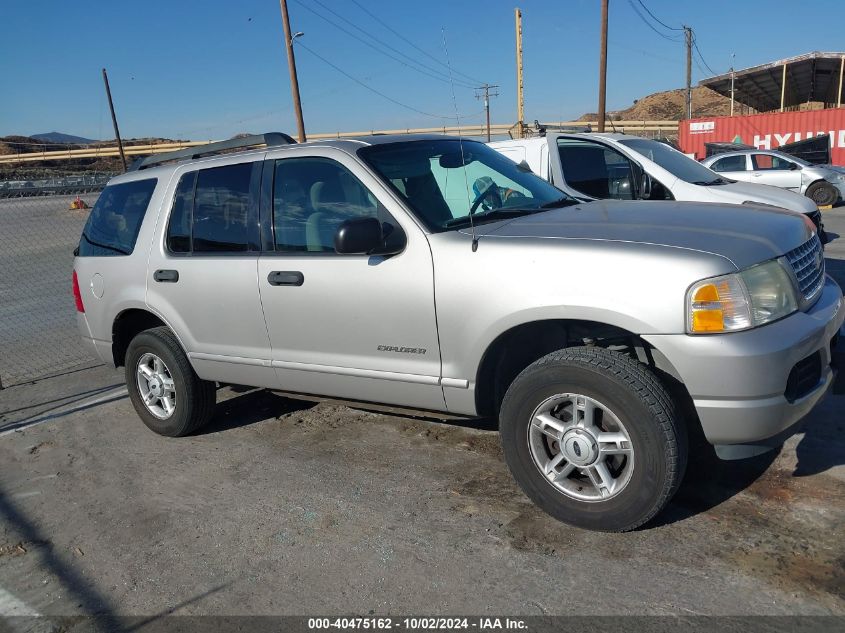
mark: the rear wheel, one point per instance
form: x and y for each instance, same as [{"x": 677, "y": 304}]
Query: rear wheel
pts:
[
  {"x": 822, "y": 193},
  {"x": 592, "y": 437},
  {"x": 164, "y": 389}
]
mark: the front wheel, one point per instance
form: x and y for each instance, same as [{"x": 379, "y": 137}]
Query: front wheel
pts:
[
  {"x": 822, "y": 193},
  {"x": 164, "y": 389},
  {"x": 593, "y": 438}
]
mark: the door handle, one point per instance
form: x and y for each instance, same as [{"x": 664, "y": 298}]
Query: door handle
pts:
[
  {"x": 168, "y": 276},
  {"x": 286, "y": 278}
]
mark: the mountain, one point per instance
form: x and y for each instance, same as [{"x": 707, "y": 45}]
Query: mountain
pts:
[
  {"x": 59, "y": 137},
  {"x": 669, "y": 106}
]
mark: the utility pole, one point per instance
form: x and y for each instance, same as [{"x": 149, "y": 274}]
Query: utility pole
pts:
[
  {"x": 688, "y": 37},
  {"x": 603, "y": 66},
  {"x": 484, "y": 92},
  {"x": 114, "y": 120},
  {"x": 733, "y": 75},
  {"x": 520, "y": 102},
  {"x": 294, "y": 81}
]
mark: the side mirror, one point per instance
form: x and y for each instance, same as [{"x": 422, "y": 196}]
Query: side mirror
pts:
[
  {"x": 366, "y": 236},
  {"x": 794, "y": 166},
  {"x": 645, "y": 187}
]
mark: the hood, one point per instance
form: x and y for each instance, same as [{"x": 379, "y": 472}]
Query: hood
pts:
[
  {"x": 746, "y": 235},
  {"x": 834, "y": 168},
  {"x": 739, "y": 192}
]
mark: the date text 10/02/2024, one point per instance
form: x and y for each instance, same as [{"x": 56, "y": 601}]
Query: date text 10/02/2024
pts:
[{"x": 418, "y": 624}]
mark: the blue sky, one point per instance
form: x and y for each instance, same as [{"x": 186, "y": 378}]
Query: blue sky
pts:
[{"x": 210, "y": 69}]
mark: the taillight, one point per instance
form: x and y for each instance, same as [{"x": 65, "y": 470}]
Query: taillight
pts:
[{"x": 80, "y": 307}]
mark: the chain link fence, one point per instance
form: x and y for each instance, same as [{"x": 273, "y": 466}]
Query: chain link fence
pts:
[{"x": 38, "y": 232}]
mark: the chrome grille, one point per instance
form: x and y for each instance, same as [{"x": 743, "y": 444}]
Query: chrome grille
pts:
[{"x": 807, "y": 263}]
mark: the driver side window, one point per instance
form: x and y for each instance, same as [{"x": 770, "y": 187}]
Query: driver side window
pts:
[
  {"x": 729, "y": 163},
  {"x": 595, "y": 170},
  {"x": 769, "y": 162},
  {"x": 312, "y": 197}
]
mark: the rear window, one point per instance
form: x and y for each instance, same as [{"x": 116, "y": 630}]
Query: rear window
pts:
[{"x": 112, "y": 228}]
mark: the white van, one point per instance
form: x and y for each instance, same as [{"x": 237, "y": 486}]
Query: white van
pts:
[{"x": 592, "y": 166}]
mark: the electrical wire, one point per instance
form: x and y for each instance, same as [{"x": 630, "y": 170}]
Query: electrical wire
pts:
[
  {"x": 367, "y": 86},
  {"x": 650, "y": 25},
  {"x": 701, "y": 57},
  {"x": 410, "y": 43},
  {"x": 429, "y": 72},
  {"x": 659, "y": 21}
]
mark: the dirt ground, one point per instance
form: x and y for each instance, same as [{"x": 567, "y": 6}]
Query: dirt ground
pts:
[{"x": 287, "y": 506}]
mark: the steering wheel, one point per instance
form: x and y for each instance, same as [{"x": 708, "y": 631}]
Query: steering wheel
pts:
[{"x": 482, "y": 195}]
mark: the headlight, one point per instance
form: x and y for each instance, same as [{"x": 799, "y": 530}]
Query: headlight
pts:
[{"x": 742, "y": 300}]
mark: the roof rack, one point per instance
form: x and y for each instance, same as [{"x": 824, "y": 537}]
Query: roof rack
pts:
[{"x": 270, "y": 139}]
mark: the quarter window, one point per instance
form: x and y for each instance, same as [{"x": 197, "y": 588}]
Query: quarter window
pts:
[
  {"x": 312, "y": 197},
  {"x": 730, "y": 163},
  {"x": 113, "y": 225}
]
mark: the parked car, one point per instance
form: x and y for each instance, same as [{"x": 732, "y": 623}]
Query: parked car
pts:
[
  {"x": 433, "y": 273},
  {"x": 822, "y": 185},
  {"x": 594, "y": 166}
]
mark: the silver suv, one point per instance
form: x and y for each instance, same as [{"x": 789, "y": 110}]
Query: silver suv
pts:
[{"x": 434, "y": 273}]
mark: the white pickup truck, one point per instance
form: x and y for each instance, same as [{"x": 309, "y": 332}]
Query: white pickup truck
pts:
[{"x": 593, "y": 166}]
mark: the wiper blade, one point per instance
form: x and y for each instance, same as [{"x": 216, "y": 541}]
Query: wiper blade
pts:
[
  {"x": 560, "y": 202},
  {"x": 116, "y": 249},
  {"x": 492, "y": 214},
  {"x": 717, "y": 181}
]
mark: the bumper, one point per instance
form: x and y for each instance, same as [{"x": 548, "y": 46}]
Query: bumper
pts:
[
  {"x": 95, "y": 347},
  {"x": 739, "y": 382}
]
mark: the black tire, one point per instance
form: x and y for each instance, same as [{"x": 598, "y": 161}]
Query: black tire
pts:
[
  {"x": 822, "y": 193},
  {"x": 194, "y": 397},
  {"x": 641, "y": 403}
]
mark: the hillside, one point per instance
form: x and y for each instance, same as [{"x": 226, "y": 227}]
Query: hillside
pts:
[
  {"x": 61, "y": 137},
  {"x": 670, "y": 106}
]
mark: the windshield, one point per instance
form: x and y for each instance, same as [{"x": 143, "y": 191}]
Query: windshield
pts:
[
  {"x": 445, "y": 180},
  {"x": 673, "y": 161}
]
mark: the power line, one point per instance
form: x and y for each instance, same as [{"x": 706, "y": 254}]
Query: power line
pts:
[
  {"x": 410, "y": 43},
  {"x": 433, "y": 73},
  {"x": 368, "y": 87},
  {"x": 701, "y": 57},
  {"x": 656, "y": 19},
  {"x": 650, "y": 25},
  {"x": 699, "y": 66}
]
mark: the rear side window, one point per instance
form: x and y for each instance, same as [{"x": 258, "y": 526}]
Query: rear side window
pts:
[
  {"x": 112, "y": 228},
  {"x": 729, "y": 163},
  {"x": 212, "y": 210},
  {"x": 179, "y": 228}
]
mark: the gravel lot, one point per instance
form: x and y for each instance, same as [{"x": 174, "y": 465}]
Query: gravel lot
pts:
[{"x": 300, "y": 507}]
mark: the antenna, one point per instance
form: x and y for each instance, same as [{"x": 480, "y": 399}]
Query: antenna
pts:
[{"x": 460, "y": 140}]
